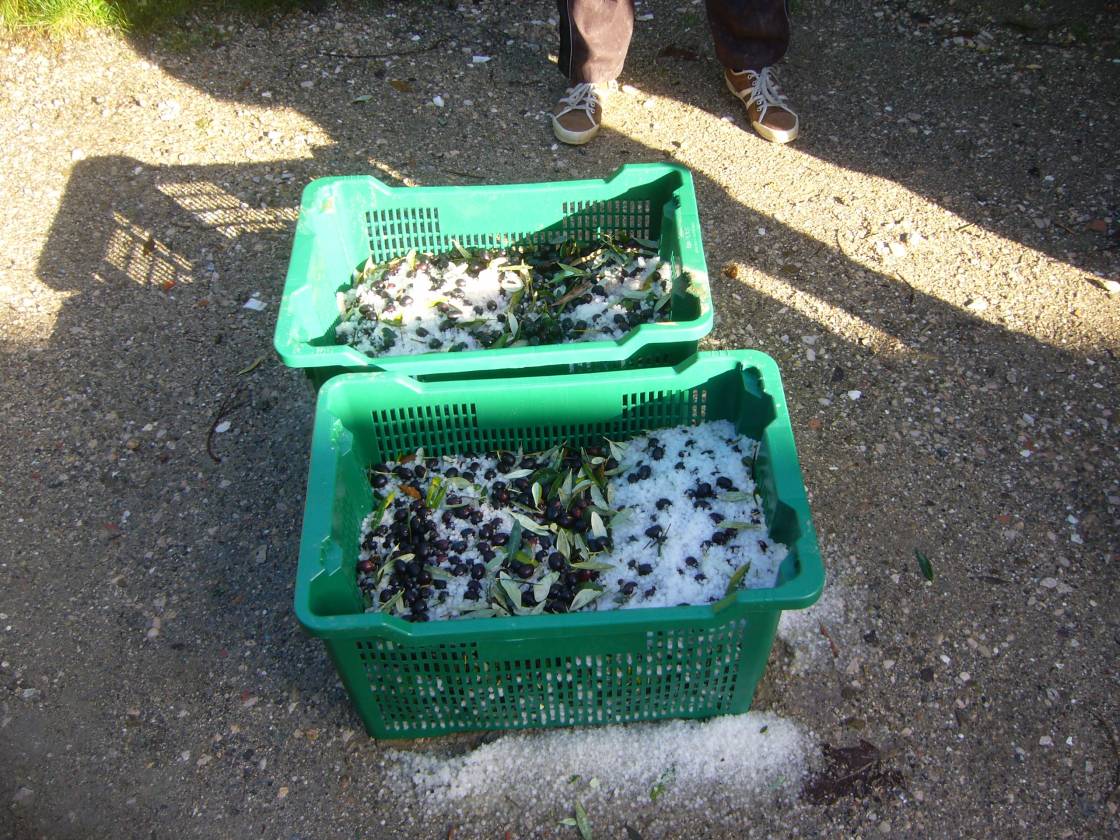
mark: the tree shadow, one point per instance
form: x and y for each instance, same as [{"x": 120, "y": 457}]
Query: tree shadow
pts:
[
  {"x": 967, "y": 107},
  {"x": 163, "y": 257}
]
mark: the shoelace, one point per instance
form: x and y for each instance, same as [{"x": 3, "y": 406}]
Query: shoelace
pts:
[
  {"x": 581, "y": 97},
  {"x": 765, "y": 92}
]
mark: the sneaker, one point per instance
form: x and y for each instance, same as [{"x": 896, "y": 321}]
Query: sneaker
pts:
[
  {"x": 767, "y": 107},
  {"x": 577, "y": 115}
]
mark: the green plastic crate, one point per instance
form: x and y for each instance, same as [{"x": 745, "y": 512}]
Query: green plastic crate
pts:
[
  {"x": 408, "y": 680},
  {"x": 345, "y": 220}
]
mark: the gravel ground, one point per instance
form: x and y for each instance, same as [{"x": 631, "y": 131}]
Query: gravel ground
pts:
[{"x": 928, "y": 263}]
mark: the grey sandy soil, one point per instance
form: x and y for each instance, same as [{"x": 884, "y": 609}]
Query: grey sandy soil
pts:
[{"x": 938, "y": 240}]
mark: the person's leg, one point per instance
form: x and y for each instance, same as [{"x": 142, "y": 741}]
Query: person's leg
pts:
[
  {"x": 594, "y": 38},
  {"x": 750, "y": 36}
]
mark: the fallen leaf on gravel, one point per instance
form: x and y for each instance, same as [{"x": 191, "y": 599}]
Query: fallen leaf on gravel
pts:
[
  {"x": 849, "y": 771},
  {"x": 925, "y": 565},
  {"x": 251, "y": 367},
  {"x": 401, "y": 85},
  {"x": 358, "y": 100}
]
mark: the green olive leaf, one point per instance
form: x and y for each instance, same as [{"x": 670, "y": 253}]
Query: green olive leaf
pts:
[{"x": 584, "y": 597}]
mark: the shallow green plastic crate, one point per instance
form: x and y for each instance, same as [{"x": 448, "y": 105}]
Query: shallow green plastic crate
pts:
[
  {"x": 408, "y": 680},
  {"x": 345, "y": 220}
]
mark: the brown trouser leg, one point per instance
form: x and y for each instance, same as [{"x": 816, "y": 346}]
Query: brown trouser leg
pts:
[
  {"x": 594, "y": 38},
  {"x": 749, "y": 34},
  {"x": 595, "y": 35}
]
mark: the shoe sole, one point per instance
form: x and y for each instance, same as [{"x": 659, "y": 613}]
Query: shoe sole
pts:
[
  {"x": 572, "y": 138},
  {"x": 774, "y": 135}
]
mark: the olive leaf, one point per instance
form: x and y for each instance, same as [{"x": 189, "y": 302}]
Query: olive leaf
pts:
[
  {"x": 618, "y": 450},
  {"x": 511, "y": 589},
  {"x": 737, "y": 578},
  {"x": 735, "y": 496},
  {"x": 481, "y": 611},
  {"x": 436, "y": 491},
  {"x": 494, "y": 564},
  {"x": 925, "y": 565},
  {"x": 662, "y": 783},
  {"x": 392, "y": 603},
  {"x": 593, "y": 566},
  {"x": 580, "y": 543},
  {"x": 597, "y": 526},
  {"x": 581, "y": 485},
  {"x": 528, "y": 523},
  {"x": 584, "y": 597},
  {"x": 582, "y": 822},
  {"x": 513, "y": 545},
  {"x": 541, "y": 587},
  {"x": 570, "y": 271},
  {"x": 737, "y": 525},
  {"x": 537, "y": 493},
  {"x": 382, "y": 506},
  {"x": 566, "y": 489},
  {"x": 564, "y": 543},
  {"x": 623, "y": 517},
  {"x": 598, "y": 500}
]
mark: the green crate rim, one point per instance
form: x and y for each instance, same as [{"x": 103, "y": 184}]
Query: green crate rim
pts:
[
  {"x": 298, "y": 354},
  {"x": 800, "y": 592}
]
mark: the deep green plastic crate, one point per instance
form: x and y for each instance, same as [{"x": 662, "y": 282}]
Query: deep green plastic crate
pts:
[
  {"x": 343, "y": 221},
  {"x": 408, "y": 680}
]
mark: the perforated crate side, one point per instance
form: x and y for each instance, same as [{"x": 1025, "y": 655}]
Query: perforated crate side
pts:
[{"x": 408, "y": 690}]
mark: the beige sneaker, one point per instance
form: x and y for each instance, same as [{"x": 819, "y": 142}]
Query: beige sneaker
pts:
[
  {"x": 767, "y": 107},
  {"x": 578, "y": 114}
]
